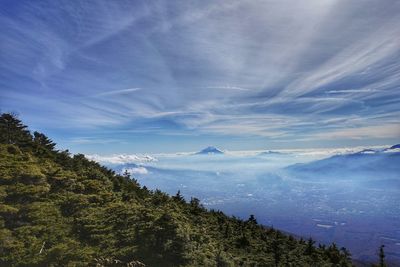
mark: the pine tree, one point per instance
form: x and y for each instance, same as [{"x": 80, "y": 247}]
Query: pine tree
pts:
[
  {"x": 42, "y": 145},
  {"x": 346, "y": 253},
  {"x": 382, "y": 256},
  {"x": 178, "y": 197},
  {"x": 42, "y": 140},
  {"x": 277, "y": 251},
  {"x": 12, "y": 131},
  {"x": 310, "y": 247},
  {"x": 195, "y": 205},
  {"x": 252, "y": 219}
]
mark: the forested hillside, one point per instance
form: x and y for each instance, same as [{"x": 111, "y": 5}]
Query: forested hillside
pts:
[{"x": 58, "y": 209}]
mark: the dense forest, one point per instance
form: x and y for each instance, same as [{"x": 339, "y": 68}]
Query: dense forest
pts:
[{"x": 58, "y": 209}]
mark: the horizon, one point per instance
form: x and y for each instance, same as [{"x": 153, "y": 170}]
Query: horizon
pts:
[
  {"x": 138, "y": 77},
  {"x": 325, "y": 150}
]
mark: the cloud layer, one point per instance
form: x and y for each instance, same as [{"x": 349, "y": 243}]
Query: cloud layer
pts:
[{"x": 121, "y": 159}]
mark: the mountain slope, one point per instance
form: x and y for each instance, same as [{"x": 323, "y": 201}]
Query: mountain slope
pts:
[
  {"x": 367, "y": 164},
  {"x": 57, "y": 210},
  {"x": 395, "y": 146}
]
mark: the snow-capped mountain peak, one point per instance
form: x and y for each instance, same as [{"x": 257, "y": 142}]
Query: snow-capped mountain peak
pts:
[{"x": 209, "y": 150}]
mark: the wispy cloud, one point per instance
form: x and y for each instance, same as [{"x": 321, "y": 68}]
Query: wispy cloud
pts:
[
  {"x": 284, "y": 71},
  {"x": 93, "y": 140},
  {"x": 365, "y": 132},
  {"x": 227, "y": 87},
  {"x": 118, "y": 92},
  {"x": 351, "y": 91}
]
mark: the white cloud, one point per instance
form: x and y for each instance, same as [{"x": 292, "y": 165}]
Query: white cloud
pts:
[
  {"x": 118, "y": 92},
  {"x": 137, "y": 170},
  {"x": 121, "y": 159}
]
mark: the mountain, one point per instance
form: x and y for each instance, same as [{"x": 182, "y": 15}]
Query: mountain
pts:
[
  {"x": 210, "y": 151},
  {"x": 58, "y": 209},
  {"x": 395, "y": 146},
  {"x": 367, "y": 165},
  {"x": 270, "y": 152}
]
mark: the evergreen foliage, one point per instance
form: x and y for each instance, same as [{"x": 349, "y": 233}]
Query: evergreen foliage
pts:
[
  {"x": 62, "y": 210},
  {"x": 381, "y": 255}
]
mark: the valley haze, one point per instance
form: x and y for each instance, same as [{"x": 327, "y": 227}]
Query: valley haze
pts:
[{"x": 350, "y": 196}]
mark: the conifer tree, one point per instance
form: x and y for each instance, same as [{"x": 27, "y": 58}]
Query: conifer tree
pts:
[
  {"x": 178, "y": 197},
  {"x": 12, "y": 131},
  {"x": 382, "y": 256},
  {"x": 310, "y": 247},
  {"x": 42, "y": 140},
  {"x": 252, "y": 219},
  {"x": 42, "y": 145}
]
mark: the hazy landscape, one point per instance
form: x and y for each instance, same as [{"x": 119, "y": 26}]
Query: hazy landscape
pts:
[
  {"x": 200, "y": 133},
  {"x": 347, "y": 196}
]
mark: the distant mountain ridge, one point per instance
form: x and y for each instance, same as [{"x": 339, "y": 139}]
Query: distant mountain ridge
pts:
[
  {"x": 367, "y": 163},
  {"x": 271, "y": 152},
  {"x": 392, "y": 149},
  {"x": 395, "y": 146}
]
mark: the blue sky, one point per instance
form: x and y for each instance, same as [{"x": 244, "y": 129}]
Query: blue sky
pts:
[{"x": 165, "y": 76}]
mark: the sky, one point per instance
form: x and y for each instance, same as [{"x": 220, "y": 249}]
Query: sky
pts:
[{"x": 165, "y": 76}]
